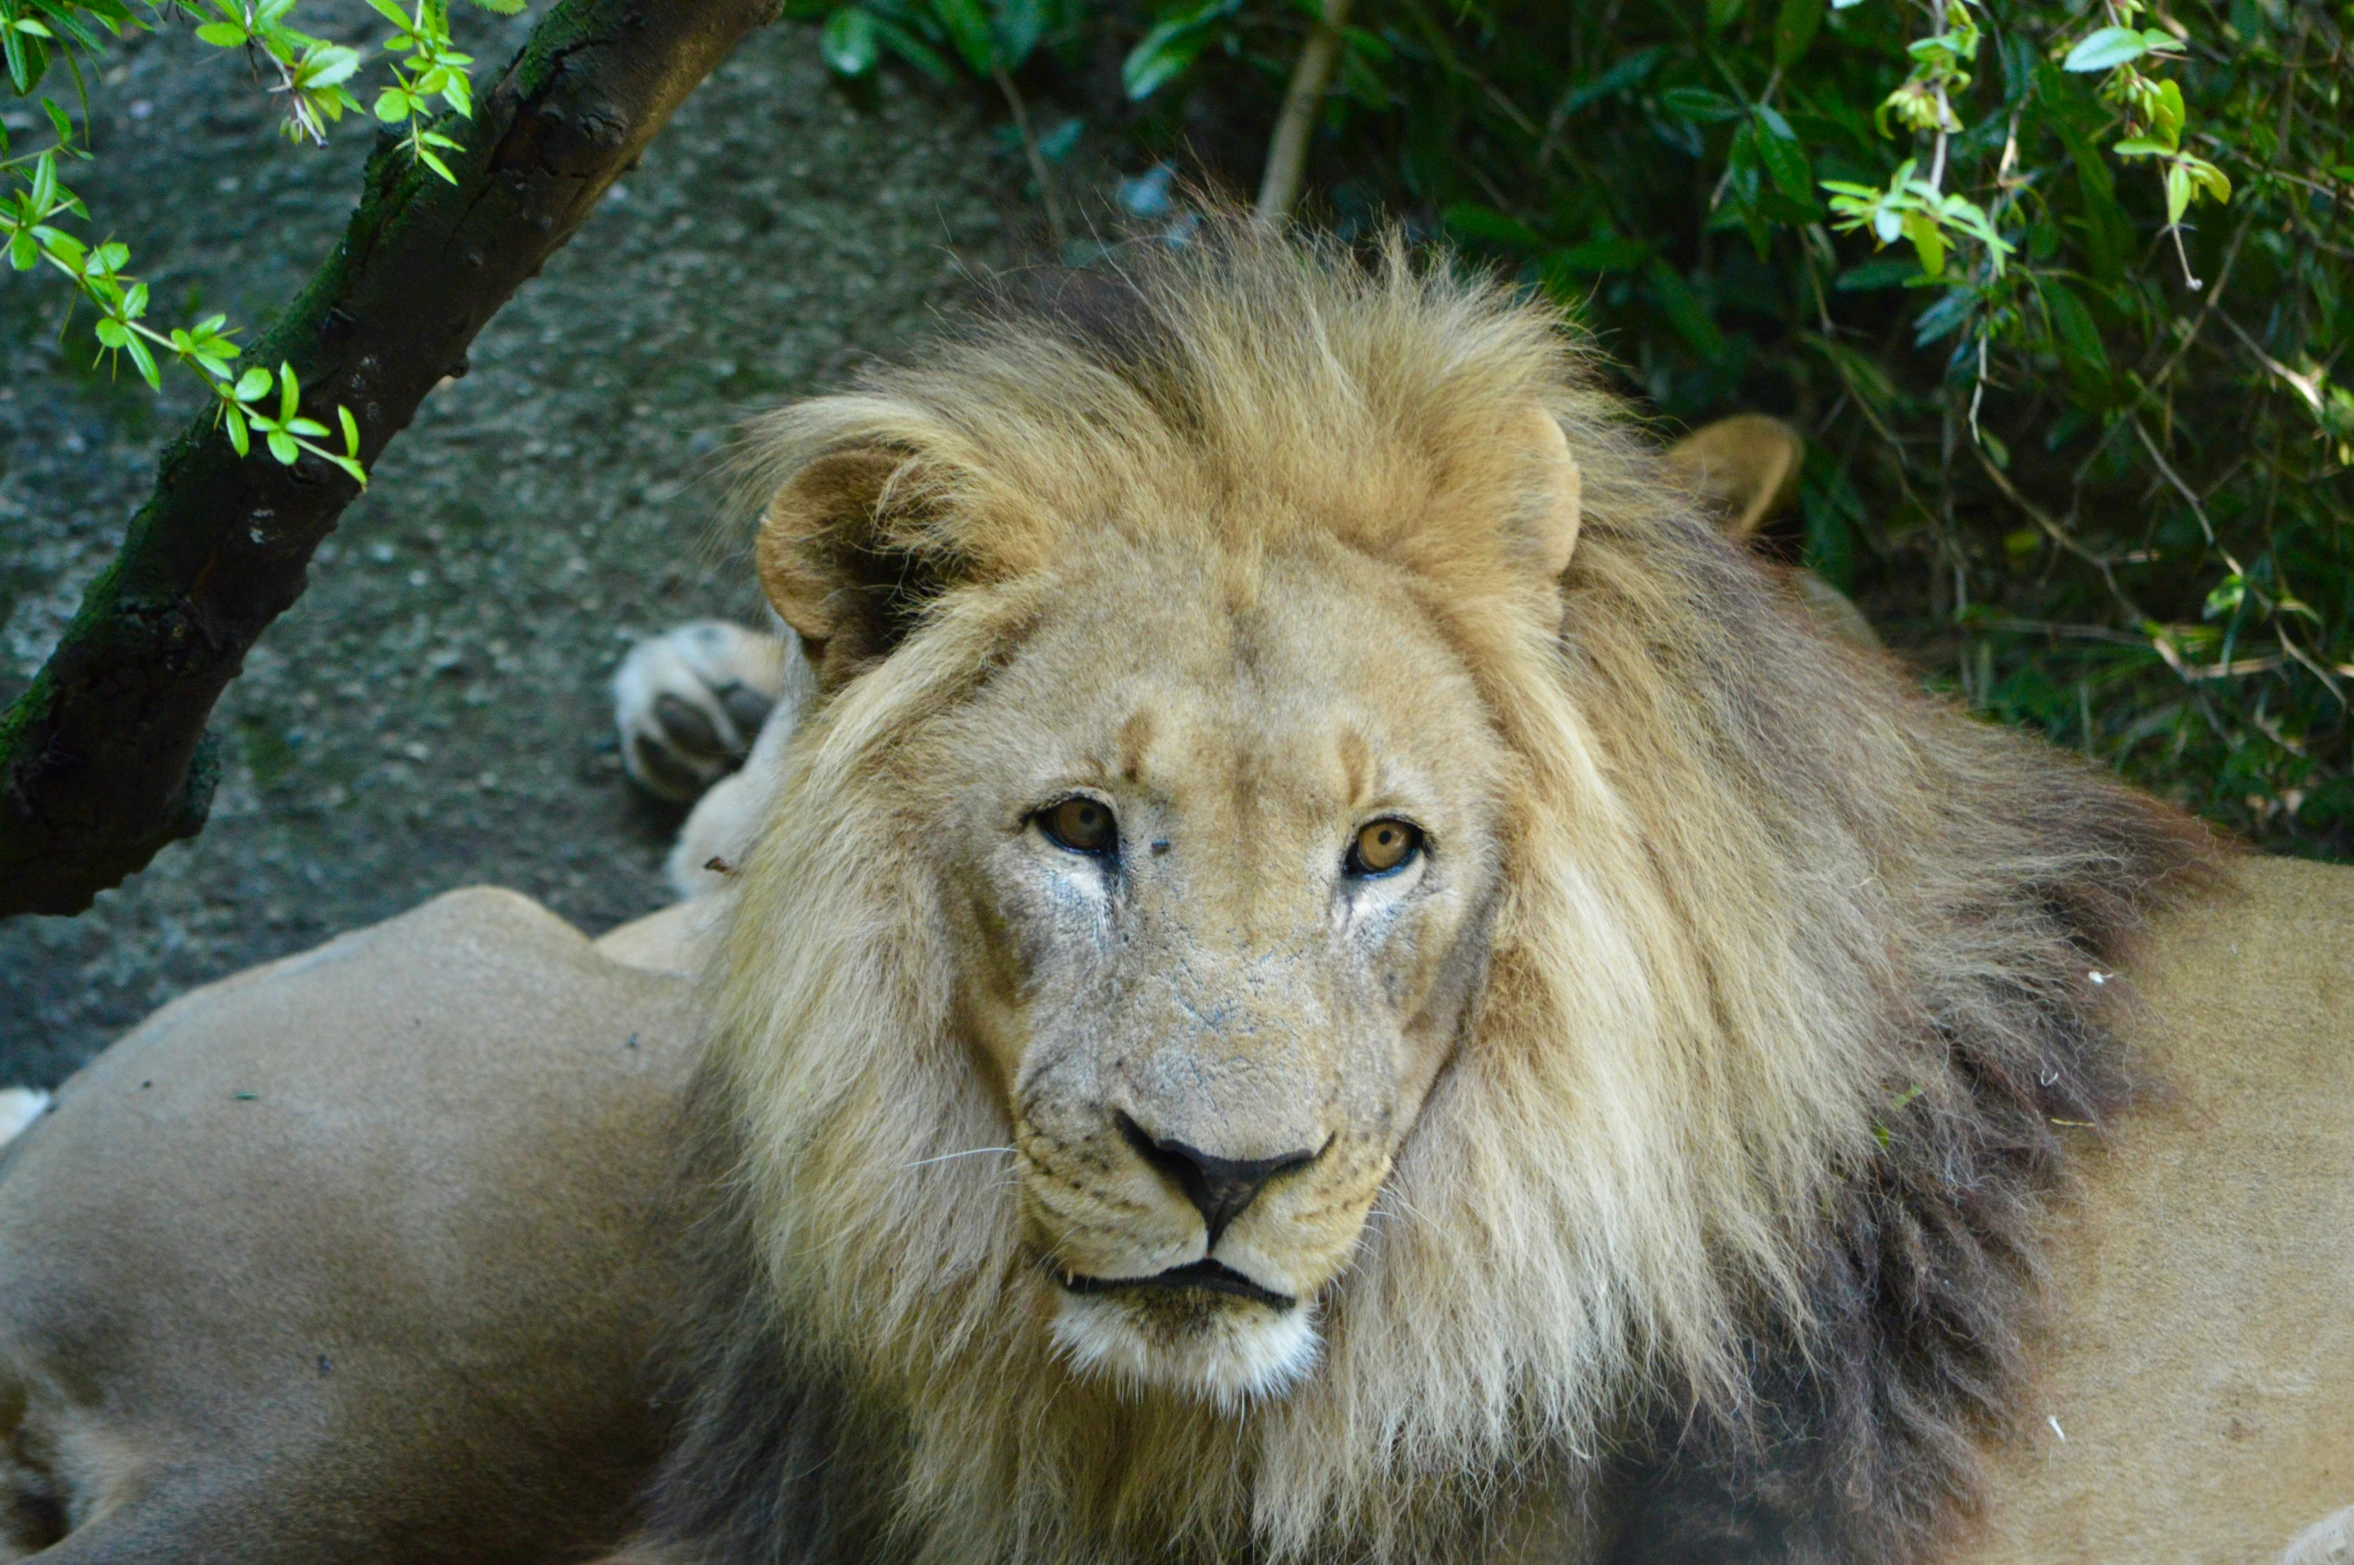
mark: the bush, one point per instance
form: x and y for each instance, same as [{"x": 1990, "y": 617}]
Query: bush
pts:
[{"x": 2059, "y": 297}]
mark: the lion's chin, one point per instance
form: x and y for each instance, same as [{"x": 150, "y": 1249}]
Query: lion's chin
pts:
[{"x": 1226, "y": 1352}]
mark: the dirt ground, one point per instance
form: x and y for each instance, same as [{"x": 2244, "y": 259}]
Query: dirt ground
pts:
[{"x": 433, "y": 712}]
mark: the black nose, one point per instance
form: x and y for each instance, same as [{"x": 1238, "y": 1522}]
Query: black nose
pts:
[{"x": 1220, "y": 1188}]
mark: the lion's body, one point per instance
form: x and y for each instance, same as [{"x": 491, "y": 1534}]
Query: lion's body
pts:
[
  {"x": 349, "y": 1258},
  {"x": 2199, "y": 1359}
]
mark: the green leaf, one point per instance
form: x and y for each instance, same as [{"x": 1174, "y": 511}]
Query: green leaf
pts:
[
  {"x": 146, "y": 363},
  {"x": 1157, "y": 61},
  {"x": 394, "y": 105},
  {"x": 1169, "y": 48},
  {"x": 23, "y": 250},
  {"x": 289, "y": 393},
  {"x": 968, "y": 30},
  {"x": 1019, "y": 25},
  {"x": 2106, "y": 49},
  {"x": 111, "y": 332},
  {"x": 251, "y": 384},
  {"x": 1684, "y": 311},
  {"x": 2079, "y": 339},
  {"x": 282, "y": 447},
  {"x": 2209, "y": 179},
  {"x": 2167, "y": 111},
  {"x": 914, "y": 51},
  {"x": 1698, "y": 103},
  {"x": 327, "y": 64},
  {"x": 1626, "y": 73},
  {"x": 351, "y": 430},
  {"x": 1057, "y": 143},
  {"x": 1927, "y": 240},
  {"x": 26, "y": 61},
  {"x": 391, "y": 13},
  {"x": 848, "y": 42},
  {"x": 1947, "y": 316},
  {"x": 1794, "y": 28},
  {"x": 1892, "y": 271},
  {"x": 426, "y": 157},
  {"x": 221, "y": 35},
  {"x": 239, "y": 441},
  {"x": 1784, "y": 159}
]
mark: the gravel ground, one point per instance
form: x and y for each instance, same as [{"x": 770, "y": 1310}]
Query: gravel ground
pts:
[{"x": 433, "y": 712}]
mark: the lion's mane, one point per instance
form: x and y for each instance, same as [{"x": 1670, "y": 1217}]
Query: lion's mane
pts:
[{"x": 1716, "y": 1232}]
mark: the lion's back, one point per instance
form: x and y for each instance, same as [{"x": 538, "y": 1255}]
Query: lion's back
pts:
[
  {"x": 352, "y": 1256},
  {"x": 2195, "y": 1401}
]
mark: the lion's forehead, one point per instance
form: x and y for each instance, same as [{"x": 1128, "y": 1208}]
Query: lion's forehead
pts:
[{"x": 1323, "y": 689}]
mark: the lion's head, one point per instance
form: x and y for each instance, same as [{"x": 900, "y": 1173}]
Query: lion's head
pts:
[{"x": 1327, "y": 947}]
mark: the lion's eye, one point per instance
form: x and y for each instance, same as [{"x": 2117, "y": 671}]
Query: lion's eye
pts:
[
  {"x": 1081, "y": 824},
  {"x": 1384, "y": 847}
]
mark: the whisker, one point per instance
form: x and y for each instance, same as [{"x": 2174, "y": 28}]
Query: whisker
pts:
[{"x": 946, "y": 1156}]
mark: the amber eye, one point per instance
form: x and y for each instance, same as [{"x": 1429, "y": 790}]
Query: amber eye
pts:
[
  {"x": 1383, "y": 847},
  {"x": 1080, "y": 824}
]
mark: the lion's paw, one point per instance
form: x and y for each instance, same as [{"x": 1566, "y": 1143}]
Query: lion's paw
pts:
[{"x": 690, "y": 702}]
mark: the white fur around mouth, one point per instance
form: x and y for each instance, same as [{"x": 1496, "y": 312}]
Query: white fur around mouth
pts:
[{"x": 1226, "y": 1354}]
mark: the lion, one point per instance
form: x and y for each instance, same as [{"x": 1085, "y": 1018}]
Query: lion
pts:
[{"x": 1328, "y": 973}]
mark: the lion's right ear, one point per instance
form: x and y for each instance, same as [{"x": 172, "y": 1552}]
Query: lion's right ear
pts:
[
  {"x": 849, "y": 555},
  {"x": 1745, "y": 467}
]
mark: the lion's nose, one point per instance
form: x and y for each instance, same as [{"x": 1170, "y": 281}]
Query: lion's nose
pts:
[{"x": 1220, "y": 1188}]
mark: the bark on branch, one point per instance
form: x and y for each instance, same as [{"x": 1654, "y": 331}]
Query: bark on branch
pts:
[{"x": 104, "y": 758}]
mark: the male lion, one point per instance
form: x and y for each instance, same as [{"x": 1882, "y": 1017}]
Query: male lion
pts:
[
  {"x": 1333, "y": 976},
  {"x": 1328, "y": 975}
]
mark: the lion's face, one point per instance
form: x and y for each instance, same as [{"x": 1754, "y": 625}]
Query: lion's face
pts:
[{"x": 1223, "y": 861}]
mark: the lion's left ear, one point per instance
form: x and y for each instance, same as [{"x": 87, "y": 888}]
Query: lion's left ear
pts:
[
  {"x": 1548, "y": 513},
  {"x": 849, "y": 555}
]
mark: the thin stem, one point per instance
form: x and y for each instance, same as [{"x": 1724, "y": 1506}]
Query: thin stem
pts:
[
  {"x": 1037, "y": 156},
  {"x": 1287, "y": 150}
]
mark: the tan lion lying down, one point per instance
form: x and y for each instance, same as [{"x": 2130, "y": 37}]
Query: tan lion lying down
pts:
[{"x": 359, "y": 1256}]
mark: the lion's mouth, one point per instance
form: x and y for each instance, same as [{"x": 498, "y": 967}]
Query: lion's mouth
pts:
[{"x": 1205, "y": 1274}]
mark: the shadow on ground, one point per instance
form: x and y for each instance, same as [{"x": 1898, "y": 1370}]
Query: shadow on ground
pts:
[{"x": 432, "y": 713}]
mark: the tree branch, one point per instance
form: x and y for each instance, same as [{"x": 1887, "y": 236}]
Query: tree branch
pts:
[
  {"x": 1295, "y": 124},
  {"x": 104, "y": 758}
]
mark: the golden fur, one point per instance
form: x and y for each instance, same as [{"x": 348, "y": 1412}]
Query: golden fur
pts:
[{"x": 1787, "y": 971}]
